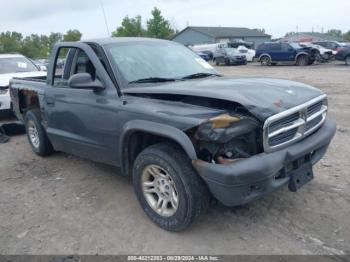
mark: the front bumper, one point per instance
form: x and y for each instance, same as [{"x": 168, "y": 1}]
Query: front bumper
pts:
[{"x": 249, "y": 179}]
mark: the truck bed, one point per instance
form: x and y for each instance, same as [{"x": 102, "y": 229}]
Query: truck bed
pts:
[
  {"x": 33, "y": 79},
  {"x": 26, "y": 92}
]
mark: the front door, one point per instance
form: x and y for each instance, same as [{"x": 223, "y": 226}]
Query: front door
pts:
[{"x": 82, "y": 121}]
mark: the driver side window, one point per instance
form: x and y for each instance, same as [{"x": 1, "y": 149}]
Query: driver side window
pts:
[
  {"x": 71, "y": 61},
  {"x": 82, "y": 64}
]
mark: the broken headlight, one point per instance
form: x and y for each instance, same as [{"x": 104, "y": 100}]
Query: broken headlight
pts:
[{"x": 227, "y": 137}]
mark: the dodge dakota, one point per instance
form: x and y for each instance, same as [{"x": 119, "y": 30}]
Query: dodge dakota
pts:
[{"x": 182, "y": 131}]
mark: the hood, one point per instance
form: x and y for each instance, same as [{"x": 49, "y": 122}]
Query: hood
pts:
[
  {"x": 5, "y": 78},
  {"x": 262, "y": 97}
]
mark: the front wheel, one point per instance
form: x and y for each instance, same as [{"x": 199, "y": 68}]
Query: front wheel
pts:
[
  {"x": 265, "y": 60},
  {"x": 302, "y": 60},
  {"x": 36, "y": 133},
  {"x": 168, "y": 188}
]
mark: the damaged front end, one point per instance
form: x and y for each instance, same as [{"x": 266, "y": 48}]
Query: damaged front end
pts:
[{"x": 226, "y": 138}]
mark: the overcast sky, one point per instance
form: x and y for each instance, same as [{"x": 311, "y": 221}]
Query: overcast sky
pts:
[{"x": 276, "y": 16}]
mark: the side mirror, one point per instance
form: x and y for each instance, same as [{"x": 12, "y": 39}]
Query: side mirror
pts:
[{"x": 84, "y": 81}]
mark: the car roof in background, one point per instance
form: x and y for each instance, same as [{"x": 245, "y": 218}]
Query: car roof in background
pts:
[{"x": 10, "y": 55}]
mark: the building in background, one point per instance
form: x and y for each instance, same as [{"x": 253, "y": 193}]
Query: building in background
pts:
[
  {"x": 310, "y": 37},
  {"x": 194, "y": 35}
]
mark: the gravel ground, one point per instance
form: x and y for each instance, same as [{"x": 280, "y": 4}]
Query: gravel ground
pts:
[{"x": 64, "y": 204}]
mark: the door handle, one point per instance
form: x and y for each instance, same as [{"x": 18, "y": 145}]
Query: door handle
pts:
[{"x": 50, "y": 101}]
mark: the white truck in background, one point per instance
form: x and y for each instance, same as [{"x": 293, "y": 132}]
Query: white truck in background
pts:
[{"x": 242, "y": 47}]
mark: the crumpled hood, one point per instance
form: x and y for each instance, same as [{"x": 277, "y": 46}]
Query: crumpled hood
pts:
[
  {"x": 263, "y": 97},
  {"x": 5, "y": 78}
]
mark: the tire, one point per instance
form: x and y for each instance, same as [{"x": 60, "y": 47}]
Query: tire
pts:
[
  {"x": 189, "y": 190},
  {"x": 347, "y": 60},
  {"x": 265, "y": 60},
  {"x": 36, "y": 134},
  {"x": 302, "y": 60},
  {"x": 216, "y": 62},
  {"x": 227, "y": 62},
  {"x": 311, "y": 61}
]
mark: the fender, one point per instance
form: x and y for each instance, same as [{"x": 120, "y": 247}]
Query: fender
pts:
[
  {"x": 154, "y": 128},
  {"x": 301, "y": 53},
  {"x": 265, "y": 54}
]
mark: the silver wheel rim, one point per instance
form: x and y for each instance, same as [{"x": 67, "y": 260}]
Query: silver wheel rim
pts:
[
  {"x": 159, "y": 190},
  {"x": 265, "y": 60},
  {"x": 33, "y": 134}
]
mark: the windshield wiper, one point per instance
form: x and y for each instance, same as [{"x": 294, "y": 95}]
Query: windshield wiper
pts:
[
  {"x": 199, "y": 75},
  {"x": 153, "y": 80}
]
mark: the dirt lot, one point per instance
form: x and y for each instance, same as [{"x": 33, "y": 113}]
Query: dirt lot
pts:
[{"x": 64, "y": 204}]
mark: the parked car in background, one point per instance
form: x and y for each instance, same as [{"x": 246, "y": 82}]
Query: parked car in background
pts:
[
  {"x": 322, "y": 54},
  {"x": 14, "y": 65},
  {"x": 271, "y": 53},
  {"x": 243, "y": 47},
  {"x": 343, "y": 54},
  {"x": 42, "y": 64},
  {"x": 203, "y": 55},
  {"x": 333, "y": 45},
  {"x": 230, "y": 56},
  {"x": 249, "y": 53}
]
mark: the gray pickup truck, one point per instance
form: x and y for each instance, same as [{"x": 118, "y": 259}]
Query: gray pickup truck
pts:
[{"x": 165, "y": 117}]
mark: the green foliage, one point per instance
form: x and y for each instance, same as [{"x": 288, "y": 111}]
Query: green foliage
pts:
[
  {"x": 10, "y": 42},
  {"x": 346, "y": 36},
  {"x": 157, "y": 27},
  {"x": 72, "y": 36},
  {"x": 34, "y": 46},
  {"x": 130, "y": 27},
  {"x": 335, "y": 33}
]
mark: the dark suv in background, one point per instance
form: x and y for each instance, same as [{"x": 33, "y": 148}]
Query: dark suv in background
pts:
[
  {"x": 271, "y": 53},
  {"x": 343, "y": 54},
  {"x": 333, "y": 45}
]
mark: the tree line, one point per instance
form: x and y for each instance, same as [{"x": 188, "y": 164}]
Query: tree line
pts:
[
  {"x": 157, "y": 26},
  {"x": 332, "y": 32},
  {"x": 34, "y": 46},
  {"x": 40, "y": 46}
]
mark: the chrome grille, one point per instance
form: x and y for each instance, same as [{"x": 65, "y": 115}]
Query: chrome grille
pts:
[{"x": 293, "y": 124}]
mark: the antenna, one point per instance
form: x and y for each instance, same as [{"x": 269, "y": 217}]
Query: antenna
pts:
[{"x": 105, "y": 18}]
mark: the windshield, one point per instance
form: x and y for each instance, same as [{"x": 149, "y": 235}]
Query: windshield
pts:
[
  {"x": 16, "y": 65},
  {"x": 154, "y": 60}
]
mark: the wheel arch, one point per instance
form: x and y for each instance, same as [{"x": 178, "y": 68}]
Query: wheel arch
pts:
[
  {"x": 264, "y": 54},
  {"x": 139, "y": 134},
  {"x": 27, "y": 100},
  {"x": 301, "y": 53}
]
